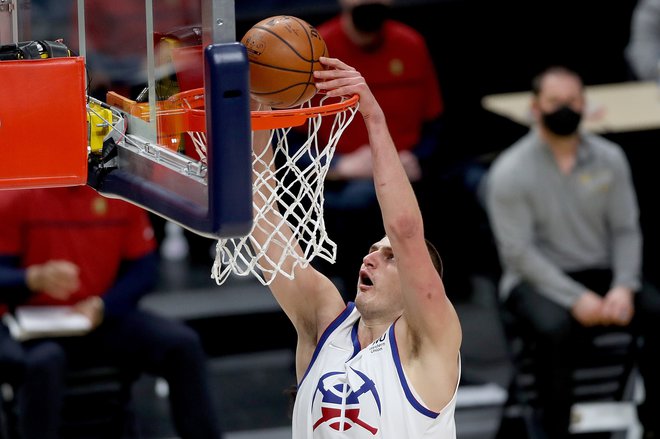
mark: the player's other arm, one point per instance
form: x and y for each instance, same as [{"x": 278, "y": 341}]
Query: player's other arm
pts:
[
  {"x": 310, "y": 300},
  {"x": 432, "y": 326}
]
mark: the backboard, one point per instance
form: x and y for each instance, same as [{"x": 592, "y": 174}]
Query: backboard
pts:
[{"x": 137, "y": 55}]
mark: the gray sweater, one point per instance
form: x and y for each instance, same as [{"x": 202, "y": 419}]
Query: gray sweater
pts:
[
  {"x": 547, "y": 223},
  {"x": 643, "y": 49}
]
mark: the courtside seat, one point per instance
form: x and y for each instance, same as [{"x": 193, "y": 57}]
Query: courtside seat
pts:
[
  {"x": 96, "y": 406},
  {"x": 604, "y": 374},
  {"x": 8, "y": 422}
]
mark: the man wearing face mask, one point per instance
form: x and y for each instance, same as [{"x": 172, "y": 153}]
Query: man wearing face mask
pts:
[
  {"x": 564, "y": 214},
  {"x": 395, "y": 61}
]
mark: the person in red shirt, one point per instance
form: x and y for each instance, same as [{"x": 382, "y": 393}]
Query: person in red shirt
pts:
[
  {"x": 395, "y": 61},
  {"x": 71, "y": 246}
]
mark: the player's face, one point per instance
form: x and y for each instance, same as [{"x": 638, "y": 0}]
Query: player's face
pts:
[{"x": 379, "y": 286}]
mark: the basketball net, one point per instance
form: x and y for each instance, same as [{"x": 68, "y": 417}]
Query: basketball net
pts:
[{"x": 300, "y": 173}]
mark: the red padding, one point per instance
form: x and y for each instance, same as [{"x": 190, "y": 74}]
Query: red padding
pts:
[{"x": 43, "y": 127}]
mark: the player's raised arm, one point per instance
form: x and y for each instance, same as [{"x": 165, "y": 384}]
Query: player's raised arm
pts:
[
  {"x": 432, "y": 327},
  {"x": 310, "y": 299}
]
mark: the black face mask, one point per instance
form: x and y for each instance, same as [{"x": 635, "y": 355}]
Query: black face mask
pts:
[
  {"x": 564, "y": 121},
  {"x": 369, "y": 17}
]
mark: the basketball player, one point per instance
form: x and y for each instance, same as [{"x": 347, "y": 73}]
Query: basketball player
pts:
[
  {"x": 395, "y": 60},
  {"x": 387, "y": 365}
]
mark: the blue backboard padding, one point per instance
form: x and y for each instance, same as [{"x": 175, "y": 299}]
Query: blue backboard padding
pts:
[
  {"x": 226, "y": 210},
  {"x": 226, "y": 89}
]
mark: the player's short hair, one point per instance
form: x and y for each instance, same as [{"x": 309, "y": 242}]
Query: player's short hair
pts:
[{"x": 435, "y": 257}]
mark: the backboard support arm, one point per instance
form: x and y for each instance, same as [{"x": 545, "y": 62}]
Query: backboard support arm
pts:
[
  {"x": 221, "y": 205},
  {"x": 218, "y": 22}
]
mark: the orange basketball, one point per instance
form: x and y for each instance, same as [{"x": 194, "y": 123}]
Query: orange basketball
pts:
[{"x": 283, "y": 52}]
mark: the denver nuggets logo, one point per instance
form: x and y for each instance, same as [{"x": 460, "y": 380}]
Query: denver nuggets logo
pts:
[{"x": 346, "y": 402}]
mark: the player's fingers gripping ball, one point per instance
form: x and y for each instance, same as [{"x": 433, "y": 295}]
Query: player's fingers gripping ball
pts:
[{"x": 284, "y": 52}]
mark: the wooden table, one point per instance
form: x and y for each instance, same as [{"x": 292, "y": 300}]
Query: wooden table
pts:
[{"x": 619, "y": 107}]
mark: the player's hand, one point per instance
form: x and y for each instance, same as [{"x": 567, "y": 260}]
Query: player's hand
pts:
[
  {"x": 588, "y": 309},
  {"x": 618, "y": 306},
  {"x": 93, "y": 308},
  {"x": 57, "y": 278},
  {"x": 340, "y": 79},
  {"x": 411, "y": 165}
]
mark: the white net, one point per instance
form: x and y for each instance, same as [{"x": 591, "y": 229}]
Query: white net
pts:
[
  {"x": 299, "y": 173},
  {"x": 198, "y": 138}
]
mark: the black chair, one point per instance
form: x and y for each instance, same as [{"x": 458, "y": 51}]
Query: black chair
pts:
[
  {"x": 603, "y": 373},
  {"x": 8, "y": 420},
  {"x": 96, "y": 406}
]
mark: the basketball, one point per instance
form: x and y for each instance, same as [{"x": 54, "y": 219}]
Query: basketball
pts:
[{"x": 283, "y": 52}]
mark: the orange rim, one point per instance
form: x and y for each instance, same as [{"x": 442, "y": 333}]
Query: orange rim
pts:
[
  {"x": 193, "y": 98},
  {"x": 192, "y": 101},
  {"x": 291, "y": 117}
]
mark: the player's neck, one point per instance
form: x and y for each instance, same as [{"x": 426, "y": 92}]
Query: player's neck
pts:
[{"x": 370, "y": 330}]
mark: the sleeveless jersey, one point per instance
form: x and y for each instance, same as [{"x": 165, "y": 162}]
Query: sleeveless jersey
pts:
[{"x": 358, "y": 394}]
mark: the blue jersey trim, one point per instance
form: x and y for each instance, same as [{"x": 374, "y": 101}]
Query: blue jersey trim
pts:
[
  {"x": 354, "y": 337},
  {"x": 402, "y": 378},
  {"x": 324, "y": 337}
]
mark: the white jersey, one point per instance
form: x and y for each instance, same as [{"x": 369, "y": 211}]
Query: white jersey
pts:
[{"x": 351, "y": 393}]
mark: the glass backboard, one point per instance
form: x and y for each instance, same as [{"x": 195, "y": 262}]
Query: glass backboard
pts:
[{"x": 139, "y": 55}]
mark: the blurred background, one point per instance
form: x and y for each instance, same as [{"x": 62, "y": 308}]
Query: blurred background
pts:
[{"x": 479, "y": 48}]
